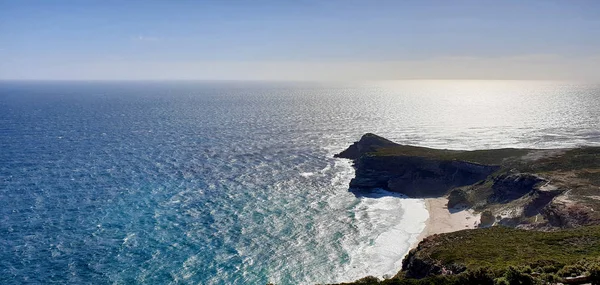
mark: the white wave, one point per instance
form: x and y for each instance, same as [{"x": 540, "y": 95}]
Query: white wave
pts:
[
  {"x": 306, "y": 174},
  {"x": 388, "y": 225},
  {"x": 343, "y": 173},
  {"x": 128, "y": 238},
  {"x": 325, "y": 169}
]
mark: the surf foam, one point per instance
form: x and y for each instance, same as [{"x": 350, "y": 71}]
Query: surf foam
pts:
[{"x": 390, "y": 223}]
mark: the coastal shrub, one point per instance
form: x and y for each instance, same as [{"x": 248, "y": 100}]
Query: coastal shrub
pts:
[
  {"x": 432, "y": 280},
  {"x": 549, "y": 278},
  {"x": 368, "y": 280},
  {"x": 501, "y": 281},
  {"x": 441, "y": 280},
  {"x": 595, "y": 274},
  {"x": 518, "y": 276},
  {"x": 572, "y": 270},
  {"x": 546, "y": 266},
  {"x": 500, "y": 247},
  {"x": 526, "y": 269},
  {"x": 500, "y": 255},
  {"x": 480, "y": 275}
]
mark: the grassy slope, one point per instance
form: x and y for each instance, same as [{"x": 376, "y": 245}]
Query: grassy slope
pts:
[
  {"x": 573, "y": 159},
  {"x": 488, "y": 157},
  {"x": 498, "y": 247}
]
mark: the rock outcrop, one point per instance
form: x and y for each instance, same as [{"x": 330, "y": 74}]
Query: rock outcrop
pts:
[
  {"x": 519, "y": 187},
  {"x": 412, "y": 175},
  {"x": 570, "y": 215},
  {"x": 418, "y": 265},
  {"x": 508, "y": 187},
  {"x": 368, "y": 143},
  {"x": 416, "y": 176}
]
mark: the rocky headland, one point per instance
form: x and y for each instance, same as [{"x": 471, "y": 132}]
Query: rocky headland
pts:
[{"x": 551, "y": 196}]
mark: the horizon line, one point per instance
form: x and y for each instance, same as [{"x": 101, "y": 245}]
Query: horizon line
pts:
[{"x": 283, "y": 80}]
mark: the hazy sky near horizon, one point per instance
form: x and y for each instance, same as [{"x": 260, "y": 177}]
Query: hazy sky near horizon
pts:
[{"x": 300, "y": 40}]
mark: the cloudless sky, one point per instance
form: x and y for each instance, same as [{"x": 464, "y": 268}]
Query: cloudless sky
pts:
[{"x": 91, "y": 39}]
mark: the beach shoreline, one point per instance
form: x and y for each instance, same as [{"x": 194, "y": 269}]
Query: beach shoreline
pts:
[{"x": 444, "y": 220}]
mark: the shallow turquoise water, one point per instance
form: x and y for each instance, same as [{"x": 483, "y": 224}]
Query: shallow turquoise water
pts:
[{"x": 234, "y": 183}]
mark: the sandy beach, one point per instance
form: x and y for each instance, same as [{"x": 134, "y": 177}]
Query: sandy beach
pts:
[{"x": 442, "y": 220}]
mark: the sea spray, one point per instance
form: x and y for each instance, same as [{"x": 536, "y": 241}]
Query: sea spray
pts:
[{"x": 387, "y": 226}]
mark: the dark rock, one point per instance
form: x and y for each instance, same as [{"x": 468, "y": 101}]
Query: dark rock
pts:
[
  {"x": 569, "y": 215},
  {"x": 418, "y": 264},
  {"x": 539, "y": 200},
  {"x": 458, "y": 197},
  {"x": 487, "y": 219},
  {"x": 416, "y": 267},
  {"x": 416, "y": 176},
  {"x": 368, "y": 143},
  {"x": 508, "y": 187}
]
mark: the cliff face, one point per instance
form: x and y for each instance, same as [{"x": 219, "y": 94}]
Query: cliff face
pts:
[
  {"x": 515, "y": 187},
  {"x": 509, "y": 199},
  {"x": 416, "y": 176},
  {"x": 412, "y": 175},
  {"x": 418, "y": 265},
  {"x": 508, "y": 187}
]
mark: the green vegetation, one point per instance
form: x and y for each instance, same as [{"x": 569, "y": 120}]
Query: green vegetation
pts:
[
  {"x": 488, "y": 157},
  {"x": 524, "y": 275},
  {"x": 572, "y": 159},
  {"x": 498, "y": 247},
  {"x": 591, "y": 175},
  {"x": 501, "y": 255}
]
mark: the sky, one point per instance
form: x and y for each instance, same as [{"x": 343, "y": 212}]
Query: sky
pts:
[{"x": 299, "y": 40}]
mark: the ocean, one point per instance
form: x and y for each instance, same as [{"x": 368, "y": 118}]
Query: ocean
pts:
[{"x": 235, "y": 182}]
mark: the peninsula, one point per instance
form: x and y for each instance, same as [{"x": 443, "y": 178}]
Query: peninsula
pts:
[{"x": 529, "y": 214}]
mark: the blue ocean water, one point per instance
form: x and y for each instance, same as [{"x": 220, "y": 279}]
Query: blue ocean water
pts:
[{"x": 234, "y": 182}]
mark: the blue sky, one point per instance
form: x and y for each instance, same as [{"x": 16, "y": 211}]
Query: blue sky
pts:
[{"x": 343, "y": 39}]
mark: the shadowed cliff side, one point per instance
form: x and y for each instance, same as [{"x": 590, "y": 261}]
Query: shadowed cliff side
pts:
[{"x": 413, "y": 171}]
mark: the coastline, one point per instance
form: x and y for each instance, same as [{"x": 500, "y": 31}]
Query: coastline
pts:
[
  {"x": 450, "y": 241},
  {"x": 444, "y": 220}
]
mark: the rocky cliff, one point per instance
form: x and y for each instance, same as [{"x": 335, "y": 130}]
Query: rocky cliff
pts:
[
  {"x": 527, "y": 188},
  {"x": 416, "y": 176},
  {"x": 410, "y": 174},
  {"x": 546, "y": 191}
]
